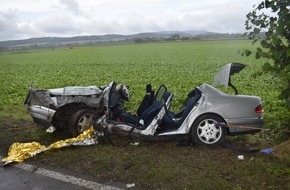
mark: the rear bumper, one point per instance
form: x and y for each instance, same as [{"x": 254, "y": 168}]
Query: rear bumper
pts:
[
  {"x": 245, "y": 125},
  {"x": 41, "y": 115}
]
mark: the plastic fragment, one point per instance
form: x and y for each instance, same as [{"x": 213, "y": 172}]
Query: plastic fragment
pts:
[
  {"x": 267, "y": 151},
  {"x": 135, "y": 143},
  {"x": 130, "y": 185},
  {"x": 50, "y": 129},
  {"x": 241, "y": 157}
]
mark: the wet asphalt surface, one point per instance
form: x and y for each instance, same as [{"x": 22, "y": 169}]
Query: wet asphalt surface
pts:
[
  {"x": 31, "y": 177},
  {"x": 12, "y": 178}
]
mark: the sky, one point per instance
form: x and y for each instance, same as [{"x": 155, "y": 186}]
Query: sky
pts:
[{"x": 22, "y": 19}]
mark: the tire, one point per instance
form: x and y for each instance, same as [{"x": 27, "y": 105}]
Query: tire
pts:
[
  {"x": 81, "y": 120},
  {"x": 204, "y": 131}
]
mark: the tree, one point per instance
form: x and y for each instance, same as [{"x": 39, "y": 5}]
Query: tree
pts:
[{"x": 272, "y": 31}]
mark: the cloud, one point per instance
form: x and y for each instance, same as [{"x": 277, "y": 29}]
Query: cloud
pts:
[
  {"x": 75, "y": 17},
  {"x": 10, "y": 26},
  {"x": 71, "y": 5},
  {"x": 60, "y": 24},
  {"x": 8, "y": 21}
]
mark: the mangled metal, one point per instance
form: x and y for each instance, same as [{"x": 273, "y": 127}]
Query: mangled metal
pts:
[
  {"x": 43, "y": 104},
  {"x": 53, "y": 108}
]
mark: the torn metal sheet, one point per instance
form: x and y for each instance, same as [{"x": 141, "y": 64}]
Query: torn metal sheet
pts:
[{"x": 18, "y": 152}]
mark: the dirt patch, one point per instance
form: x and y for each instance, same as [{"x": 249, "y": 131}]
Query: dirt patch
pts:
[
  {"x": 23, "y": 131},
  {"x": 14, "y": 130}
]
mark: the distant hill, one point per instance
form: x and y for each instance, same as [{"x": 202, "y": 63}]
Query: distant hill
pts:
[{"x": 46, "y": 42}]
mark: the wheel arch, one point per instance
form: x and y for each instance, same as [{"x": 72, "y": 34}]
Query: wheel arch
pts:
[
  {"x": 65, "y": 112},
  {"x": 210, "y": 113}
]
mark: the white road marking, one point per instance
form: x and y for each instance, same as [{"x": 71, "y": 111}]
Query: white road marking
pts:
[{"x": 65, "y": 178}]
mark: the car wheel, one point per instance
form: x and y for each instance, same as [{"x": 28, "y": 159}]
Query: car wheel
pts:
[
  {"x": 204, "y": 131},
  {"x": 81, "y": 120}
]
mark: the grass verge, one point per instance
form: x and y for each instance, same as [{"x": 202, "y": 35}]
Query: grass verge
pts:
[{"x": 155, "y": 164}]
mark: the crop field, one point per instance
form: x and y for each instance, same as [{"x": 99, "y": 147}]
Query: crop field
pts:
[{"x": 181, "y": 66}]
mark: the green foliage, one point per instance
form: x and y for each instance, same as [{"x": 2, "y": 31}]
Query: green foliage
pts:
[
  {"x": 181, "y": 66},
  {"x": 272, "y": 31}
]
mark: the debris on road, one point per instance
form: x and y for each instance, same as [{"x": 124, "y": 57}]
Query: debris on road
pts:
[
  {"x": 135, "y": 143},
  {"x": 267, "y": 150},
  {"x": 130, "y": 185},
  {"x": 241, "y": 157}
]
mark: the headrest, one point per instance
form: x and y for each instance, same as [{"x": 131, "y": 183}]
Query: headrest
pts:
[
  {"x": 148, "y": 88},
  {"x": 166, "y": 96}
]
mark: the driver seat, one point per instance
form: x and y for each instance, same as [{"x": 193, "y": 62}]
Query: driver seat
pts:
[
  {"x": 147, "y": 101},
  {"x": 148, "y": 115},
  {"x": 173, "y": 121}
]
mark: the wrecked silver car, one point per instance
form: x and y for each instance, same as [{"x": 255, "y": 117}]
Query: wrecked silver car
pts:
[
  {"x": 206, "y": 116},
  {"x": 75, "y": 107}
]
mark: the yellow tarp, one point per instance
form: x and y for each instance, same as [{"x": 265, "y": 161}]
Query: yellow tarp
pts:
[{"x": 18, "y": 152}]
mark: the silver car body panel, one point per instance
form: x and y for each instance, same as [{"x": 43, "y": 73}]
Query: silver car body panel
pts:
[
  {"x": 76, "y": 91},
  {"x": 237, "y": 111},
  {"x": 234, "y": 109},
  {"x": 223, "y": 77},
  {"x": 41, "y": 112}
]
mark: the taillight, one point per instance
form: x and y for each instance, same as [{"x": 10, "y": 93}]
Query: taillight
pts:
[{"x": 259, "y": 109}]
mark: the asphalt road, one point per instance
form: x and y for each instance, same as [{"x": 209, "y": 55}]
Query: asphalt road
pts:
[{"x": 29, "y": 177}]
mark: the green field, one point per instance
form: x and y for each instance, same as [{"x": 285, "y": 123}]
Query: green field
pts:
[{"x": 179, "y": 65}]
